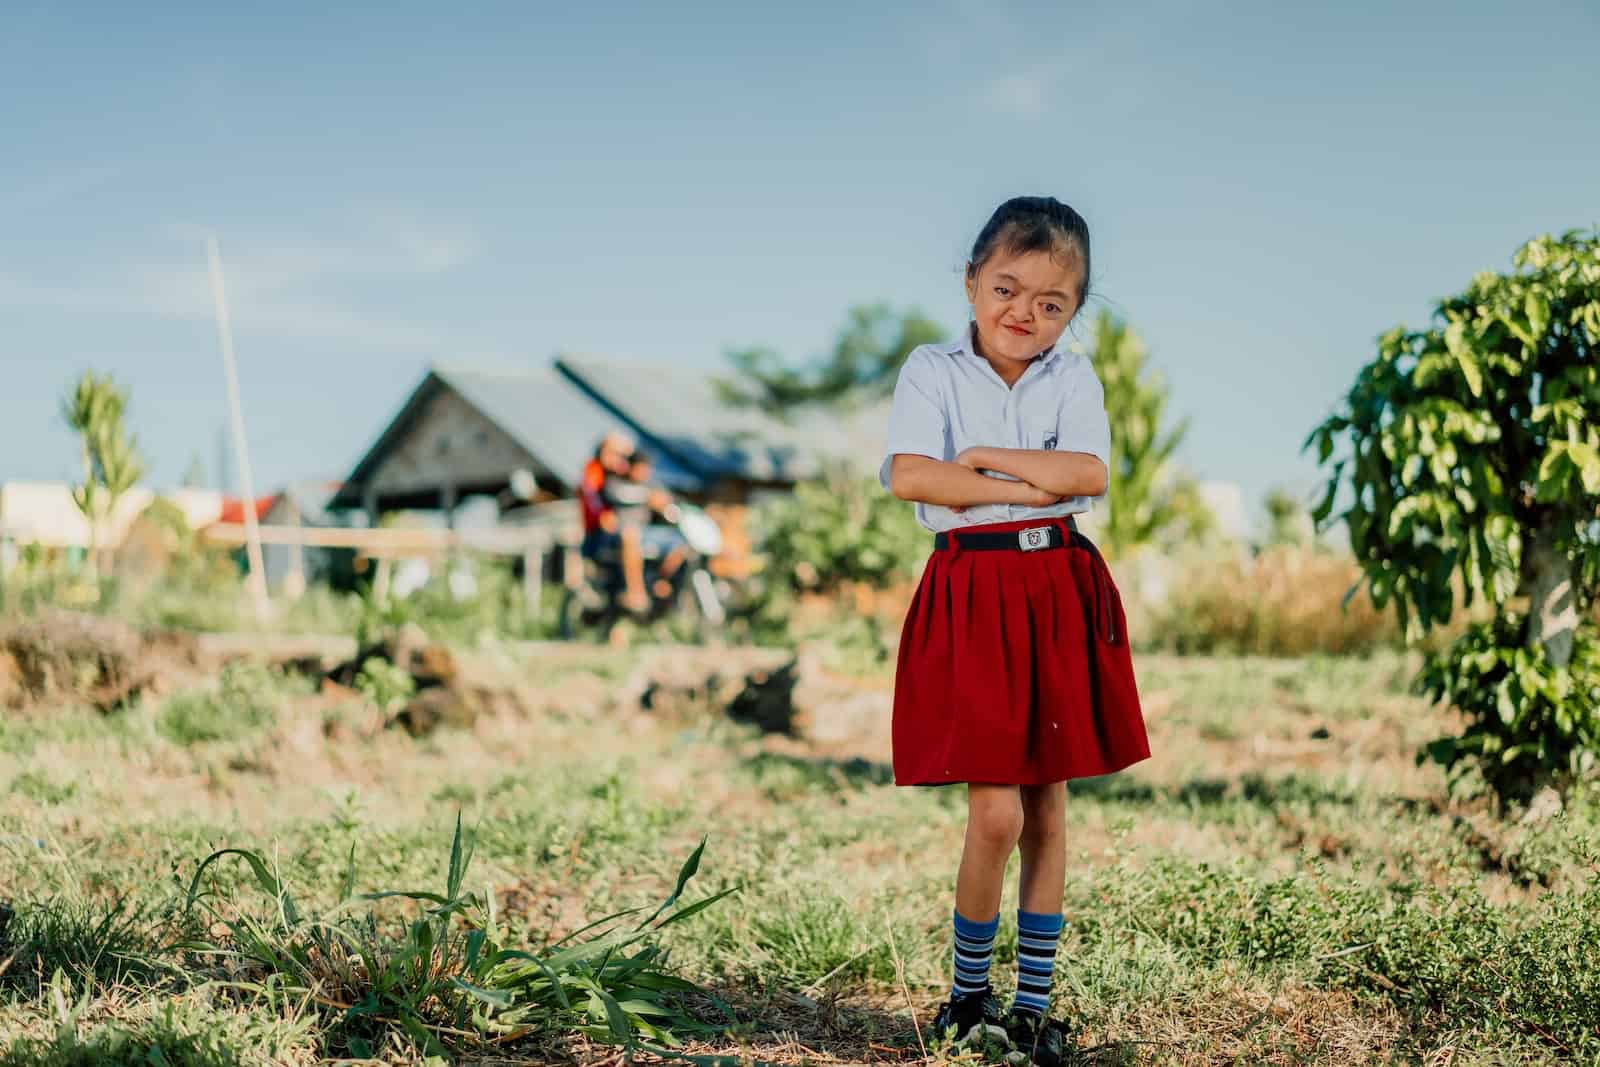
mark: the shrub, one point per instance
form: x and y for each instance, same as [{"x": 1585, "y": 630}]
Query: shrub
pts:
[{"x": 247, "y": 700}]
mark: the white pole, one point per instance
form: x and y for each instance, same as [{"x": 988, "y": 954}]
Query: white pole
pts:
[{"x": 256, "y": 580}]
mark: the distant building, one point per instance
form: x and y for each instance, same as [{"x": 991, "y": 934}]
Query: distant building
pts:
[
  {"x": 45, "y": 513},
  {"x": 466, "y": 432}
]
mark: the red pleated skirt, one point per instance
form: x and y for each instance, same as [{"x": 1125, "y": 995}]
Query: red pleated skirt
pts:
[{"x": 1014, "y": 668}]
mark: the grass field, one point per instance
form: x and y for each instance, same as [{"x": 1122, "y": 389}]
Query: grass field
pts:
[{"x": 1280, "y": 883}]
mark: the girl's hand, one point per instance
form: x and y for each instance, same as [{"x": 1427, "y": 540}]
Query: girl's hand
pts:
[
  {"x": 971, "y": 458},
  {"x": 1034, "y": 497}
]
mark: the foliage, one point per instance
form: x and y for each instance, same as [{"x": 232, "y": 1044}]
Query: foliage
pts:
[
  {"x": 1287, "y": 520},
  {"x": 865, "y": 360},
  {"x": 246, "y": 700},
  {"x": 1527, "y": 721},
  {"x": 842, "y": 528},
  {"x": 491, "y": 604},
  {"x": 94, "y": 408},
  {"x": 1473, "y": 451},
  {"x": 385, "y": 684},
  {"x": 836, "y": 534},
  {"x": 1148, "y": 501},
  {"x": 450, "y": 974}
]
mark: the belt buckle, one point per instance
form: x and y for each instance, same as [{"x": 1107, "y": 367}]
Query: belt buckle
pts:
[{"x": 1034, "y": 538}]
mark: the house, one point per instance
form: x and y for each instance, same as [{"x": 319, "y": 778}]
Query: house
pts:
[{"x": 524, "y": 434}]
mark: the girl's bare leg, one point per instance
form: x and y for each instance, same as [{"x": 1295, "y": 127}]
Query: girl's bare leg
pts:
[
  {"x": 994, "y": 821},
  {"x": 1044, "y": 847}
]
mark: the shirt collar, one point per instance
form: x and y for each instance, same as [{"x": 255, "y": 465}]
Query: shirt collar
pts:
[{"x": 1050, "y": 358}]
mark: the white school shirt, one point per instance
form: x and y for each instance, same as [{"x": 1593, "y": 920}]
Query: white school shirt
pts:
[{"x": 948, "y": 399}]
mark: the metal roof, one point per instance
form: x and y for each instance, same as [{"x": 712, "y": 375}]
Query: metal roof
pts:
[
  {"x": 682, "y": 412},
  {"x": 553, "y": 420},
  {"x": 559, "y": 413}
]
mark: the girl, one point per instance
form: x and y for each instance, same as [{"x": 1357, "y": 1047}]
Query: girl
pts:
[{"x": 1014, "y": 673}]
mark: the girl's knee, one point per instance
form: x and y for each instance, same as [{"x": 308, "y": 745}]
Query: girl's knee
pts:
[
  {"x": 1044, "y": 812},
  {"x": 996, "y": 820}
]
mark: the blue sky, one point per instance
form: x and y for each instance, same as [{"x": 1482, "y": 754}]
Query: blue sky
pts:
[{"x": 1269, "y": 188}]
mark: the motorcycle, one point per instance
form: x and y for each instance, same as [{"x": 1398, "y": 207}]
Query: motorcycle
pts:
[{"x": 592, "y": 604}]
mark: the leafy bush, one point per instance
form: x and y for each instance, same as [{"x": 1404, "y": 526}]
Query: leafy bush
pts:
[
  {"x": 247, "y": 700},
  {"x": 837, "y": 530},
  {"x": 829, "y": 534},
  {"x": 387, "y": 685},
  {"x": 1527, "y": 721},
  {"x": 1471, "y": 473}
]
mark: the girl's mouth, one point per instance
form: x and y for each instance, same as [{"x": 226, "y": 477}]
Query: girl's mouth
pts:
[{"x": 1018, "y": 330}]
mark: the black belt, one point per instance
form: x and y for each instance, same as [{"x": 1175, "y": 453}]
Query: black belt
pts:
[{"x": 1027, "y": 539}]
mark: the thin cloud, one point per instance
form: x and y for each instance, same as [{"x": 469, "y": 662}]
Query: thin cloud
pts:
[
  {"x": 60, "y": 186},
  {"x": 275, "y": 286},
  {"x": 1023, "y": 95}
]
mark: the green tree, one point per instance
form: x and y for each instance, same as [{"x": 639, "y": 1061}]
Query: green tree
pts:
[
  {"x": 94, "y": 408},
  {"x": 1286, "y": 518},
  {"x": 863, "y": 365},
  {"x": 1149, "y": 500},
  {"x": 1472, "y": 467}
]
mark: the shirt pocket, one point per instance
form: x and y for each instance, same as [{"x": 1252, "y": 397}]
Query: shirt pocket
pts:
[{"x": 1042, "y": 432}]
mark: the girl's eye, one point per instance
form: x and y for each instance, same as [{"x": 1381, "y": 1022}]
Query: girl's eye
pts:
[
  {"x": 1052, "y": 309},
  {"x": 1001, "y": 290}
]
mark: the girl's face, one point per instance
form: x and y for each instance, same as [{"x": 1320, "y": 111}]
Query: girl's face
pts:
[{"x": 1022, "y": 303}]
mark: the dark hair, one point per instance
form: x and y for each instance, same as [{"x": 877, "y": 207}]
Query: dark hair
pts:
[{"x": 1034, "y": 224}]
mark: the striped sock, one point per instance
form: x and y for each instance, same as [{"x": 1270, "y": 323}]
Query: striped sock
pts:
[
  {"x": 974, "y": 946},
  {"x": 1037, "y": 936}
]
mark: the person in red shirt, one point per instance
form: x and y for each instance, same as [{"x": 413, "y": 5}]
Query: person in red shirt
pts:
[{"x": 604, "y": 488}]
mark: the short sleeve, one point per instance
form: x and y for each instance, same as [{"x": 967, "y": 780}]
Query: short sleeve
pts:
[
  {"x": 1084, "y": 426},
  {"x": 918, "y": 424}
]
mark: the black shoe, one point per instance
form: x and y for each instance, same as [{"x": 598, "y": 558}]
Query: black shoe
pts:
[
  {"x": 972, "y": 1020},
  {"x": 1042, "y": 1042}
]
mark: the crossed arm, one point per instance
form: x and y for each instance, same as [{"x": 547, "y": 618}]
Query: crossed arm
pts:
[{"x": 1042, "y": 477}]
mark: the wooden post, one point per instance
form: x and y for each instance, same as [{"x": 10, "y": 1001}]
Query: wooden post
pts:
[
  {"x": 533, "y": 579},
  {"x": 447, "y": 503},
  {"x": 380, "y": 580},
  {"x": 294, "y": 582}
]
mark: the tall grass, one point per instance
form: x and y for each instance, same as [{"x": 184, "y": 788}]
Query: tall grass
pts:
[{"x": 1287, "y": 601}]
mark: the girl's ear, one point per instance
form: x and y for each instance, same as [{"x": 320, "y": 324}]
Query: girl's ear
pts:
[{"x": 972, "y": 285}]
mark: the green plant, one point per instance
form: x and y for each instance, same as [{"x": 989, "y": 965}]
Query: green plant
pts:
[
  {"x": 386, "y": 685},
  {"x": 836, "y": 530},
  {"x": 866, "y": 357},
  {"x": 111, "y": 465},
  {"x": 1526, "y": 718},
  {"x": 1474, "y": 452},
  {"x": 246, "y": 700},
  {"x": 447, "y": 974},
  {"x": 93, "y": 940},
  {"x": 1148, "y": 501}
]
